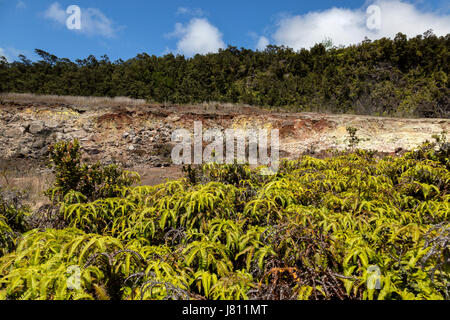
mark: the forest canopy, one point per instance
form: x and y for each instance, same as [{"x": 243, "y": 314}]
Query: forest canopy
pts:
[{"x": 387, "y": 77}]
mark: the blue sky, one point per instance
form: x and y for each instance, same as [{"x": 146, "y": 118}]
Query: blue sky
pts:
[{"x": 122, "y": 29}]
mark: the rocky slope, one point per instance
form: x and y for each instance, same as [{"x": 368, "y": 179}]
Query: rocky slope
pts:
[{"x": 135, "y": 135}]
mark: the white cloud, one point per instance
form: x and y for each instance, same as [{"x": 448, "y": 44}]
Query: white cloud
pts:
[
  {"x": 93, "y": 21},
  {"x": 263, "y": 42},
  {"x": 21, "y": 5},
  {"x": 345, "y": 26},
  {"x": 190, "y": 11},
  {"x": 405, "y": 17},
  {"x": 197, "y": 36},
  {"x": 3, "y": 53},
  {"x": 11, "y": 53},
  {"x": 56, "y": 13}
]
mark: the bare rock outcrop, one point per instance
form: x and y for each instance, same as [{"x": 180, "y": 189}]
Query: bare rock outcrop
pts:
[{"x": 142, "y": 134}]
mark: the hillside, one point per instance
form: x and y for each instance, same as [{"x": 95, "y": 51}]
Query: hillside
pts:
[
  {"x": 329, "y": 225},
  {"x": 347, "y": 227},
  {"x": 134, "y": 133},
  {"x": 401, "y": 77}
]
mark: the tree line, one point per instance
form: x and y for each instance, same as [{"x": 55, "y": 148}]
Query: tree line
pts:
[{"x": 387, "y": 77}]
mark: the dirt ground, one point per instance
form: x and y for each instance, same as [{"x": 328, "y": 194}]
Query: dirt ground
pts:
[
  {"x": 139, "y": 135},
  {"x": 155, "y": 176},
  {"x": 34, "y": 178}
]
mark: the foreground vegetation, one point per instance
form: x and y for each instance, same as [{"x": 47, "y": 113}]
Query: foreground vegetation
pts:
[
  {"x": 395, "y": 77},
  {"x": 315, "y": 230}
]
